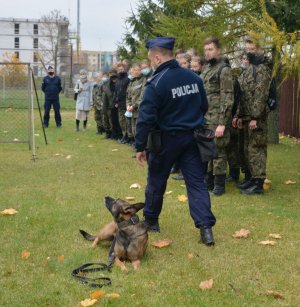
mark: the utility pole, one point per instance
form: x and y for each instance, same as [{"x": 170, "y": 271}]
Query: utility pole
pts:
[{"x": 78, "y": 29}]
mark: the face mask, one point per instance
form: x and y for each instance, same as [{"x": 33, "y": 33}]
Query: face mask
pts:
[
  {"x": 146, "y": 71},
  {"x": 104, "y": 79},
  {"x": 212, "y": 61},
  {"x": 83, "y": 77},
  {"x": 196, "y": 71},
  {"x": 251, "y": 56},
  {"x": 121, "y": 74},
  {"x": 130, "y": 77},
  {"x": 51, "y": 73},
  {"x": 244, "y": 66},
  {"x": 114, "y": 78}
]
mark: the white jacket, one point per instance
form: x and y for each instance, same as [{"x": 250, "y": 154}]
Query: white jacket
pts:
[{"x": 85, "y": 96}]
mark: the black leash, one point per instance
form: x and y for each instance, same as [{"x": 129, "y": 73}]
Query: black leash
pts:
[{"x": 95, "y": 282}]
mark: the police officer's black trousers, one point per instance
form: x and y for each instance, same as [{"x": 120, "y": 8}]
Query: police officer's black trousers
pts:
[
  {"x": 183, "y": 148},
  {"x": 47, "y": 108}
]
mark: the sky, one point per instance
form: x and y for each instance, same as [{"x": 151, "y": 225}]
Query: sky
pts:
[{"x": 102, "y": 21}]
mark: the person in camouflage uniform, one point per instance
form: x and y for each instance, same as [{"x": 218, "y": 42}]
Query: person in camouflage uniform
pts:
[
  {"x": 218, "y": 84},
  {"x": 252, "y": 116},
  {"x": 97, "y": 103},
  {"x": 107, "y": 90}
]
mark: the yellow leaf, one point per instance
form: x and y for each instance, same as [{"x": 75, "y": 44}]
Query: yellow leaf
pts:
[
  {"x": 135, "y": 186},
  {"x": 182, "y": 198},
  {"x": 267, "y": 184},
  {"x": 115, "y": 150},
  {"x": 112, "y": 295},
  {"x": 169, "y": 192},
  {"x": 275, "y": 294},
  {"x": 25, "y": 254},
  {"x": 130, "y": 198},
  {"x": 61, "y": 258},
  {"x": 243, "y": 233},
  {"x": 97, "y": 294},
  {"x": 267, "y": 242},
  {"x": 190, "y": 256},
  {"x": 275, "y": 235},
  {"x": 60, "y": 139},
  {"x": 16, "y": 140},
  {"x": 9, "y": 211},
  {"x": 162, "y": 243},
  {"x": 68, "y": 157},
  {"x": 58, "y": 154},
  {"x": 88, "y": 302},
  {"x": 88, "y": 215},
  {"x": 206, "y": 284},
  {"x": 183, "y": 185},
  {"x": 90, "y": 146},
  {"x": 290, "y": 182}
]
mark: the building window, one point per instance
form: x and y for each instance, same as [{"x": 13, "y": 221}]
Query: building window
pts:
[
  {"x": 36, "y": 43},
  {"x": 35, "y": 29},
  {"x": 35, "y": 70},
  {"x": 17, "y": 28},
  {"x": 17, "y": 42},
  {"x": 35, "y": 57},
  {"x": 17, "y": 54}
]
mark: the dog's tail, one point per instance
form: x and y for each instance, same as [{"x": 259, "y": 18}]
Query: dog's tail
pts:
[{"x": 87, "y": 236}]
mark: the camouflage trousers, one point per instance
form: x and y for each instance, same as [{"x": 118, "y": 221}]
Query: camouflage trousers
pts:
[
  {"x": 122, "y": 121},
  {"x": 218, "y": 165},
  {"x": 133, "y": 124},
  {"x": 129, "y": 127},
  {"x": 255, "y": 148},
  {"x": 98, "y": 116},
  {"x": 107, "y": 121}
]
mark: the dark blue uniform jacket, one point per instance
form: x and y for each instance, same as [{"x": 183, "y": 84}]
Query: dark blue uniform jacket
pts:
[
  {"x": 51, "y": 87},
  {"x": 174, "y": 100}
]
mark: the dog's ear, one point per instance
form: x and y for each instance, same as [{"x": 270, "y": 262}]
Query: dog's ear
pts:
[{"x": 134, "y": 208}]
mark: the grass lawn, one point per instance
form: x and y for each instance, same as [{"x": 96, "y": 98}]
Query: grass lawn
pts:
[{"x": 56, "y": 196}]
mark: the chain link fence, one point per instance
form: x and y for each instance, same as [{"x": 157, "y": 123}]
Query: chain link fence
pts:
[{"x": 16, "y": 104}]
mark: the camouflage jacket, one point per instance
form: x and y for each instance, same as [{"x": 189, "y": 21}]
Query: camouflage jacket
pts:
[
  {"x": 107, "y": 96},
  {"x": 133, "y": 94},
  {"x": 218, "y": 84},
  {"x": 97, "y": 101},
  {"x": 254, "y": 84}
]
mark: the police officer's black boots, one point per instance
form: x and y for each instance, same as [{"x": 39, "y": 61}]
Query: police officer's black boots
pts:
[
  {"x": 256, "y": 187},
  {"x": 234, "y": 175},
  {"x": 151, "y": 224},
  {"x": 246, "y": 182},
  {"x": 219, "y": 188},
  {"x": 206, "y": 236},
  {"x": 209, "y": 179}
]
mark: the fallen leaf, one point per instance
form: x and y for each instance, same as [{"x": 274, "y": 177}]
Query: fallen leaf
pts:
[
  {"x": 115, "y": 150},
  {"x": 190, "y": 256},
  {"x": 243, "y": 233},
  {"x": 46, "y": 261},
  {"x": 25, "y": 254},
  {"x": 60, "y": 139},
  {"x": 182, "y": 198},
  {"x": 5, "y": 131},
  {"x": 88, "y": 215},
  {"x": 275, "y": 236},
  {"x": 281, "y": 137},
  {"x": 88, "y": 302},
  {"x": 36, "y": 134},
  {"x": 9, "y": 211},
  {"x": 290, "y": 182},
  {"x": 90, "y": 146},
  {"x": 135, "y": 186},
  {"x": 112, "y": 295},
  {"x": 61, "y": 258},
  {"x": 169, "y": 192},
  {"x": 130, "y": 198},
  {"x": 267, "y": 242},
  {"x": 162, "y": 243},
  {"x": 183, "y": 185},
  {"x": 58, "y": 154},
  {"x": 97, "y": 294},
  {"x": 275, "y": 294},
  {"x": 206, "y": 284},
  {"x": 16, "y": 140},
  {"x": 68, "y": 157}
]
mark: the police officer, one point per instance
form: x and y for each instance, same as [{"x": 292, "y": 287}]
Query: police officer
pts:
[
  {"x": 218, "y": 84},
  {"x": 51, "y": 86},
  {"x": 174, "y": 102},
  {"x": 252, "y": 116}
]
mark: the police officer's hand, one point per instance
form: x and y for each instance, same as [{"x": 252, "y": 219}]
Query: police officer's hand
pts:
[
  {"x": 253, "y": 124},
  {"x": 220, "y": 131},
  {"x": 141, "y": 157},
  {"x": 234, "y": 122},
  {"x": 240, "y": 123}
]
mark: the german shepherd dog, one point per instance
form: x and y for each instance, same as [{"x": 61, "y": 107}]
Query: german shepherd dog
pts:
[{"x": 129, "y": 235}]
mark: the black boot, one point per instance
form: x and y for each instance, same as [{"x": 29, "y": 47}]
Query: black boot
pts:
[
  {"x": 99, "y": 130},
  {"x": 246, "y": 182},
  {"x": 84, "y": 125},
  {"x": 234, "y": 175},
  {"x": 209, "y": 179},
  {"x": 77, "y": 125},
  {"x": 206, "y": 236},
  {"x": 108, "y": 134},
  {"x": 219, "y": 188},
  {"x": 256, "y": 187},
  {"x": 151, "y": 224}
]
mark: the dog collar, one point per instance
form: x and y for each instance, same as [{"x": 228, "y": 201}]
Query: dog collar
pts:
[{"x": 132, "y": 221}]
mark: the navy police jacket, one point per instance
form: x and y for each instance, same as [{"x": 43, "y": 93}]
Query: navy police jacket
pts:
[
  {"x": 51, "y": 87},
  {"x": 174, "y": 100}
]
